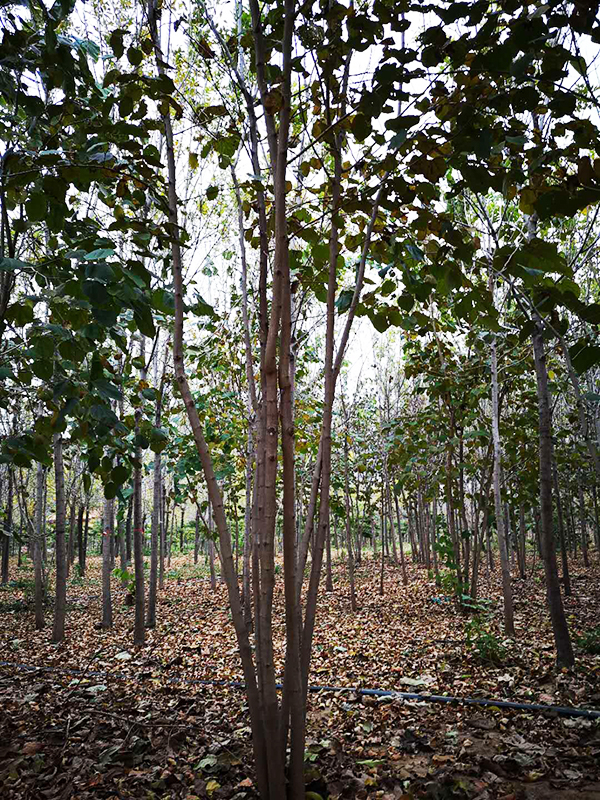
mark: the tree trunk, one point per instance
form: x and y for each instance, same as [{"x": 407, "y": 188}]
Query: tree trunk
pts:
[
  {"x": 402, "y": 559},
  {"x": 155, "y": 534},
  {"x": 328, "y": 575},
  {"x": 139, "y": 633},
  {"x": 80, "y": 558},
  {"x": 348, "y": 526},
  {"x": 128, "y": 530},
  {"x": 71, "y": 546},
  {"x": 38, "y": 565},
  {"x": 107, "y": 618},
  {"x": 163, "y": 537},
  {"x": 561, "y": 531},
  {"x": 60, "y": 604},
  {"x": 122, "y": 548},
  {"x": 8, "y": 524},
  {"x": 197, "y": 537},
  {"x": 509, "y": 624},
  {"x": 521, "y": 549},
  {"x": 583, "y": 523},
  {"x": 86, "y": 530},
  {"x": 564, "y": 650}
]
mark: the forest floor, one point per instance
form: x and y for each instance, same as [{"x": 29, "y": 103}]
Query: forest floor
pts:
[{"x": 133, "y": 724}]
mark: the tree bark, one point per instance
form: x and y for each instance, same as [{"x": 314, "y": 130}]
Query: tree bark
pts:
[
  {"x": 561, "y": 530},
  {"x": 8, "y": 524},
  {"x": 38, "y": 565},
  {"x": 583, "y": 523},
  {"x": 139, "y": 633},
  {"x": 509, "y": 623},
  {"x": 60, "y": 603},
  {"x": 564, "y": 649},
  {"x": 107, "y": 534}
]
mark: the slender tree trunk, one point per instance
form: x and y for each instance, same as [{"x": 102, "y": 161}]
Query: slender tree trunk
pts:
[
  {"x": 509, "y": 624},
  {"x": 434, "y": 534},
  {"x": 107, "y": 614},
  {"x": 71, "y": 546},
  {"x": 382, "y": 562},
  {"x": 402, "y": 559},
  {"x": 8, "y": 525},
  {"x": 80, "y": 558},
  {"x": 564, "y": 650},
  {"x": 163, "y": 537},
  {"x": 348, "y": 526},
  {"x": 583, "y": 523},
  {"x": 139, "y": 633},
  {"x": 328, "y": 575},
  {"x": 476, "y": 556},
  {"x": 155, "y": 533},
  {"x": 86, "y": 530},
  {"x": 521, "y": 549},
  {"x": 60, "y": 604},
  {"x": 390, "y": 511},
  {"x": 561, "y": 531},
  {"x": 38, "y": 566},
  {"x": 596, "y": 520},
  {"x": 128, "y": 531},
  {"x": 197, "y": 537},
  {"x": 122, "y": 549}
]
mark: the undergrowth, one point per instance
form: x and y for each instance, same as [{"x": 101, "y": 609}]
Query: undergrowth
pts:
[{"x": 590, "y": 641}]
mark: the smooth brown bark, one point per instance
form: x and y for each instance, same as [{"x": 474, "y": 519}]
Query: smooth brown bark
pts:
[
  {"x": 564, "y": 649},
  {"x": 38, "y": 564},
  {"x": 509, "y": 623},
  {"x": 139, "y": 633},
  {"x": 8, "y": 524},
  {"x": 60, "y": 602},
  {"x": 107, "y": 534}
]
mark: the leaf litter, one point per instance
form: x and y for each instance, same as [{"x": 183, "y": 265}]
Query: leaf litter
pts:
[{"x": 131, "y": 725}]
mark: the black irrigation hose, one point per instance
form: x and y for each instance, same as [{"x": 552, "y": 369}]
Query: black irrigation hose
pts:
[{"x": 561, "y": 711}]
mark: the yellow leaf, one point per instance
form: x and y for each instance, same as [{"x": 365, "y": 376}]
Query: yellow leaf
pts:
[{"x": 212, "y": 786}]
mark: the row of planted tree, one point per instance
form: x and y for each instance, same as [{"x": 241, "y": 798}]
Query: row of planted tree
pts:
[{"x": 396, "y": 497}]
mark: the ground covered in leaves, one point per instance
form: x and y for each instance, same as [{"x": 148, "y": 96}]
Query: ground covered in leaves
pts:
[{"x": 94, "y": 717}]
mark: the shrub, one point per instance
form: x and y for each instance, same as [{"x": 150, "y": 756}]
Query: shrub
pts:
[
  {"x": 484, "y": 642},
  {"x": 590, "y": 641}
]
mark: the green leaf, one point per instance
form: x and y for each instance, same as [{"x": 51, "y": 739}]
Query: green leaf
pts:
[
  {"x": 141, "y": 441},
  {"x": 135, "y": 56},
  {"x": 414, "y": 251},
  {"x": 119, "y": 475},
  {"x": 344, "y": 300},
  {"x": 13, "y": 265},
  {"x": 104, "y": 415},
  {"x": 584, "y": 356},
  {"x": 42, "y": 369},
  {"x": 159, "y": 439},
  {"x": 36, "y": 206},
  {"x": 20, "y": 314},
  {"x": 107, "y": 389},
  {"x": 143, "y": 319},
  {"x": 361, "y": 127},
  {"x": 116, "y": 42},
  {"x": 101, "y": 253},
  {"x": 212, "y": 192}
]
